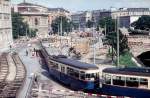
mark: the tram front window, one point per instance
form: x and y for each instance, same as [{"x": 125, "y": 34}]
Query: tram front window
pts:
[
  {"x": 118, "y": 80},
  {"x": 132, "y": 82}
]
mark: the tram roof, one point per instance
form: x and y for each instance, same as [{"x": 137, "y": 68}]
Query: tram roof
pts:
[
  {"x": 129, "y": 71},
  {"x": 73, "y": 63}
]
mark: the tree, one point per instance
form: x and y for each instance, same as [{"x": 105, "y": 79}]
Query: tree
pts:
[
  {"x": 89, "y": 24},
  {"x": 21, "y": 28},
  {"x": 66, "y": 24},
  {"x": 143, "y": 23},
  {"x": 123, "y": 42},
  {"x": 107, "y": 23}
]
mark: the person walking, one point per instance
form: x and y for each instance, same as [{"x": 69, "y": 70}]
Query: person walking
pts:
[{"x": 26, "y": 52}]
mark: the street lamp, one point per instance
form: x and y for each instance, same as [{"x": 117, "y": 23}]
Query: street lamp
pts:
[
  {"x": 93, "y": 42},
  {"x": 117, "y": 31}
]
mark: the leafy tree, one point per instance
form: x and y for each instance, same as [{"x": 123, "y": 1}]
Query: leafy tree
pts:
[
  {"x": 107, "y": 22},
  {"x": 66, "y": 24},
  {"x": 32, "y": 33},
  {"x": 111, "y": 39},
  {"x": 123, "y": 42},
  {"x": 143, "y": 23},
  {"x": 21, "y": 28},
  {"x": 89, "y": 24}
]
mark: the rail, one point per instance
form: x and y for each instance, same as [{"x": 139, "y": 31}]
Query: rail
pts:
[{"x": 10, "y": 88}]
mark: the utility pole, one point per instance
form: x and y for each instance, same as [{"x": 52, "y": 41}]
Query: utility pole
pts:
[
  {"x": 26, "y": 34},
  {"x": 61, "y": 33},
  {"x": 93, "y": 44},
  {"x": 79, "y": 27},
  {"x": 118, "y": 41},
  {"x": 105, "y": 28}
]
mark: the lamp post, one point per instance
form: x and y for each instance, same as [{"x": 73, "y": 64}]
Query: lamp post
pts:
[
  {"x": 93, "y": 42},
  {"x": 118, "y": 19}
]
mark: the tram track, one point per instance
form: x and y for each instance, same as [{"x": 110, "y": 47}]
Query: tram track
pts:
[{"x": 12, "y": 75}]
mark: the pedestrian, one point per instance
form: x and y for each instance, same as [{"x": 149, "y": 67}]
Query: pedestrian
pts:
[
  {"x": 34, "y": 50},
  {"x": 26, "y": 52}
]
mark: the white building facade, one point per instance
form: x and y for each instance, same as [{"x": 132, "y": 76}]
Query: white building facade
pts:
[
  {"x": 129, "y": 15},
  {"x": 6, "y": 39},
  {"x": 36, "y": 17},
  {"x": 81, "y": 18}
]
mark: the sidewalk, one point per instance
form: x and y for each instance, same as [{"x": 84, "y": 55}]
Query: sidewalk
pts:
[{"x": 32, "y": 66}]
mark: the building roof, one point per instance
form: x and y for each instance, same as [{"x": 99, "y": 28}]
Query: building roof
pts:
[
  {"x": 138, "y": 9},
  {"x": 129, "y": 71},
  {"x": 73, "y": 63},
  {"x": 30, "y": 4},
  {"x": 58, "y": 9}
]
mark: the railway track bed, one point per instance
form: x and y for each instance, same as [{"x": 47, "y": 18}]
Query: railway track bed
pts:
[{"x": 12, "y": 75}]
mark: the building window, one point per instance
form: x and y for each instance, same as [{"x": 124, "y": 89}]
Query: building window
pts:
[
  {"x": 0, "y": 16},
  {"x": 36, "y": 21}
]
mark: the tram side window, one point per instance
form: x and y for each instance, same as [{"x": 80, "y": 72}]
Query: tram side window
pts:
[
  {"x": 132, "y": 82},
  {"x": 82, "y": 75},
  {"x": 108, "y": 79},
  {"x": 118, "y": 80},
  {"x": 55, "y": 66},
  {"x": 50, "y": 63},
  {"x": 143, "y": 83},
  {"x": 76, "y": 74},
  {"x": 63, "y": 69},
  {"x": 72, "y": 72},
  {"x": 69, "y": 71}
]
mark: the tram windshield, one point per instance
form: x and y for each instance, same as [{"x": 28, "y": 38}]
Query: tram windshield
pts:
[{"x": 92, "y": 76}]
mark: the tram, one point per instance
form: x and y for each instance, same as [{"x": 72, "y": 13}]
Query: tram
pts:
[
  {"x": 131, "y": 82},
  {"x": 77, "y": 75}
]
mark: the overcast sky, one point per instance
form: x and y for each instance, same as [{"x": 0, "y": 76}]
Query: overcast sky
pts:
[{"x": 79, "y": 5}]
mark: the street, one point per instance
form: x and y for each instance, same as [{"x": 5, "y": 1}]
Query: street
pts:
[{"x": 32, "y": 66}]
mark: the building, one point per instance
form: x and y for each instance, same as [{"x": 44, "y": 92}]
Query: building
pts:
[
  {"x": 129, "y": 15},
  {"x": 81, "y": 18},
  {"x": 99, "y": 14},
  {"x": 6, "y": 39},
  {"x": 36, "y": 16},
  {"x": 53, "y": 13}
]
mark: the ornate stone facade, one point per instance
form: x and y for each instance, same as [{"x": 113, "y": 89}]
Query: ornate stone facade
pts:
[{"x": 5, "y": 25}]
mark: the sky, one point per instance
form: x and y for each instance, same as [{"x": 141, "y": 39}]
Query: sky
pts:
[{"x": 82, "y": 5}]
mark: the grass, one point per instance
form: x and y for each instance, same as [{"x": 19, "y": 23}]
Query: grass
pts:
[{"x": 126, "y": 60}]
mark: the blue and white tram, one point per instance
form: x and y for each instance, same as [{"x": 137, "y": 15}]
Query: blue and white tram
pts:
[
  {"x": 78, "y": 75},
  {"x": 131, "y": 82}
]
